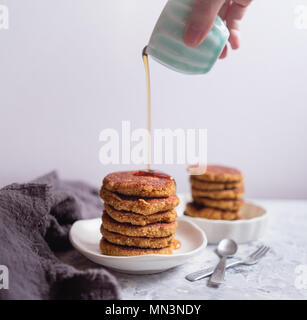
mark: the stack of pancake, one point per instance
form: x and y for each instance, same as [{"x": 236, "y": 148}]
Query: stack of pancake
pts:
[
  {"x": 139, "y": 214},
  {"x": 217, "y": 194}
]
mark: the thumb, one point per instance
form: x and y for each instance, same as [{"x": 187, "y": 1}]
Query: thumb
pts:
[{"x": 201, "y": 20}]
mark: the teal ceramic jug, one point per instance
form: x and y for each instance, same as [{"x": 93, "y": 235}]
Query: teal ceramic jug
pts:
[{"x": 166, "y": 44}]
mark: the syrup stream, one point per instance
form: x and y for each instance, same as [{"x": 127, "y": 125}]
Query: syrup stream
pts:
[{"x": 146, "y": 64}]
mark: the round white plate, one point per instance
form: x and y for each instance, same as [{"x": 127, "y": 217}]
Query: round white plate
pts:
[
  {"x": 85, "y": 236},
  {"x": 251, "y": 227}
]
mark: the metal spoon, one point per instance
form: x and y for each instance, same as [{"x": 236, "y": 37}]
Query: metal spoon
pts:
[{"x": 226, "y": 248}]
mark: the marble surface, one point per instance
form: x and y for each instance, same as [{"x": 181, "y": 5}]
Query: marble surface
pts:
[{"x": 274, "y": 277}]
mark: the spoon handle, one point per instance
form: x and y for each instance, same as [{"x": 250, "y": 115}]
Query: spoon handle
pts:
[
  {"x": 204, "y": 273},
  {"x": 218, "y": 275}
]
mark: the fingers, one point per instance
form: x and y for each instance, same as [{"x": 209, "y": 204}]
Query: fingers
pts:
[
  {"x": 223, "y": 11},
  {"x": 201, "y": 20},
  {"x": 203, "y": 15},
  {"x": 234, "y": 15},
  {"x": 223, "y": 55}
]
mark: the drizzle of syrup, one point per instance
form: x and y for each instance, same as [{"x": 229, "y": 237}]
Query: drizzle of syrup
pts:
[
  {"x": 176, "y": 244},
  {"x": 153, "y": 173},
  {"x": 146, "y": 65}
]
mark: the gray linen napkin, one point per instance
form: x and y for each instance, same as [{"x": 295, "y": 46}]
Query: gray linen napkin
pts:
[{"x": 35, "y": 219}]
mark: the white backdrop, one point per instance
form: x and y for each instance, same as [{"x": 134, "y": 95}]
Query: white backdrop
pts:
[{"x": 70, "y": 68}]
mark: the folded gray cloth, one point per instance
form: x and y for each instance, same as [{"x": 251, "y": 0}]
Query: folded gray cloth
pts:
[{"x": 35, "y": 219}]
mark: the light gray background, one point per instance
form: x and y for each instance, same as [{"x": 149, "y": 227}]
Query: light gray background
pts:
[{"x": 70, "y": 68}]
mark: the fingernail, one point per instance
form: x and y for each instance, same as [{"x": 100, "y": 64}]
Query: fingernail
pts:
[{"x": 193, "y": 35}]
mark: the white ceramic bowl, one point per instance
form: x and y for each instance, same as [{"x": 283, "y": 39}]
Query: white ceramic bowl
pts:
[
  {"x": 85, "y": 236},
  {"x": 251, "y": 227}
]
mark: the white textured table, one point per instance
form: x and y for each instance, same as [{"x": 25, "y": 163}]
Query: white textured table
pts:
[{"x": 274, "y": 277}]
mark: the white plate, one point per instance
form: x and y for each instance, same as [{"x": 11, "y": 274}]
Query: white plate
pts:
[
  {"x": 85, "y": 236},
  {"x": 251, "y": 227}
]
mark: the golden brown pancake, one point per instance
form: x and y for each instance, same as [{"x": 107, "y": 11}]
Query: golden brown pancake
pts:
[
  {"x": 221, "y": 194},
  {"x": 206, "y": 185},
  {"x": 117, "y": 250},
  {"x": 218, "y": 173},
  {"x": 143, "y": 206},
  {"x": 219, "y": 204},
  {"x": 156, "y": 230},
  {"x": 140, "y": 242},
  {"x": 199, "y": 211},
  {"x": 139, "y": 219},
  {"x": 129, "y": 183}
]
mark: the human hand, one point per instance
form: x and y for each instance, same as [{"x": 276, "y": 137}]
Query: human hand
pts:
[{"x": 203, "y": 15}]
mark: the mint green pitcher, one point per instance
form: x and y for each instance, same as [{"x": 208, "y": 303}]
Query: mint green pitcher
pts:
[{"x": 166, "y": 44}]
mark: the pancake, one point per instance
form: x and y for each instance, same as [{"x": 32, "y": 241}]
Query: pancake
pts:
[
  {"x": 130, "y": 183},
  {"x": 216, "y": 173},
  {"x": 140, "y": 242},
  {"x": 199, "y": 211},
  {"x": 221, "y": 194},
  {"x": 117, "y": 250},
  {"x": 156, "y": 230},
  {"x": 145, "y": 206},
  {"x": 219, "y": 204},
  {"x": 206, "y": 185},
  {"x": 139, "y": 219}
]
